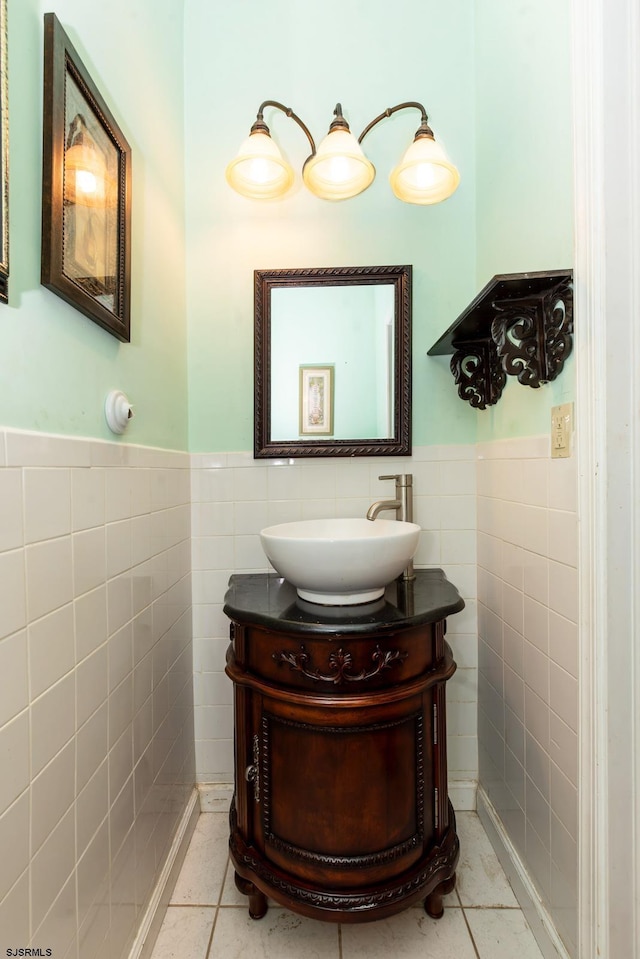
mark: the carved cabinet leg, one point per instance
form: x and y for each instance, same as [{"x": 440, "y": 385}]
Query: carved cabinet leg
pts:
[
  {"x": 433, "y": 905},
  {"x": 257, "y": 899}
]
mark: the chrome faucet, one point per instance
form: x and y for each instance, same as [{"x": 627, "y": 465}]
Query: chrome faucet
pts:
[{"x": 402, "y": 504}]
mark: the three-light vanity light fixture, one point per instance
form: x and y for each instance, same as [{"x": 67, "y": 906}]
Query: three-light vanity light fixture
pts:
[{"x": 338, "y": 169}]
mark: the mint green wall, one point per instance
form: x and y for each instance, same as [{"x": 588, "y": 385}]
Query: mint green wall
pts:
[
  {"x": 56, "y": 365},
  {"x": 339, "y": 326},
  {"x": 368, "y": 55},
  {"x": 524, "y": 172},
  {"x": 494, "y": 77}
]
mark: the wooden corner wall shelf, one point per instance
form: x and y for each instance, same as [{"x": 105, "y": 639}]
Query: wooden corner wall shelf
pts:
[{"x": 521, "y": 325}]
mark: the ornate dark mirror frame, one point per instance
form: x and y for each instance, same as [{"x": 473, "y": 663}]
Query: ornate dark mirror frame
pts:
[{"x": 264, "y": 282}]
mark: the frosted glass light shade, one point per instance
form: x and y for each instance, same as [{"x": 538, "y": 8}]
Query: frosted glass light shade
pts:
[
  {"x": 339, "y": 169},
  {"x": 259, "y": 171},
  {"x": 425, "y": 174},
  {"x": 87, "y": 180}
]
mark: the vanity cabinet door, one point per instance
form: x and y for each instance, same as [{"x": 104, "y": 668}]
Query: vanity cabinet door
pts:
[{"x": 345, "y": 795}]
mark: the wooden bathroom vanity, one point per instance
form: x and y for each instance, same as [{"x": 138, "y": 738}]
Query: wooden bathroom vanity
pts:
[{"x": 341, "y": 810}]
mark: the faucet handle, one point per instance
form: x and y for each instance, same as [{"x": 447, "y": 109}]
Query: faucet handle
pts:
[{"x": 402, "y": 479}]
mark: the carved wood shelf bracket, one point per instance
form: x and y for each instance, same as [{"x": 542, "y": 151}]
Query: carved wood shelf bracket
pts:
[
  {"x": 521, "y": 325},
  {"x": 478, "y": 373}
]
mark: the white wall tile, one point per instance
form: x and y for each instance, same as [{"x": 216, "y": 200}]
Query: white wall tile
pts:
[
  {"x": 564, "y": 800},
  {"x": 118, "y": 547},
  {"x": 563, "y": 695},
  {"x": 458, "y": 512},
  {"x": 458, "y": 478},
  {"x": 515, "y": 695},
  {"x": 51, "y": 649},
  {"x": 214, "y": 756},
  {"x": 212, "y": 519},
  {"x": 14, "y": 846},
  {"x": 14, "y": 676},
  {"x": 212, "y": 552},
  {"x": 92, "y": 683},
  {"x": 536, "y": 623},
  {"x": 536, "y": 716},
  {"x": 90, "y": 611},
  {"x": 14, "y": 758},
  {"x": 47, "y": 503},
  {"x": 513, "y": 607},
  {"x": 532, "y": 528},
  {"x": 92, "y": 744},
  {"x": 53, "y": 722},
  {"x": 44, "y": 449},
  {"x": 319, "y": 508},
  {"x": 87, "y": 498},
  {"x": 13, "y": 607},
  {"x": 52, "y": 794},
  {"x": 11, "y": 509},
  {"x": 536, "y": 576},
  {"x": 52, "y": 865},
  {"x": 14, "y": 911},
  {"x": 513, "y": 649},
  {"x": 536, "y": 670},
  {"x": 534, "y": 486},
  {"x": 563, "y": 590},
  {"x": 563, "y": 642},
  {"x": 117, "y": 495},
  {"x": 563, "y": 484},
  {"x": 248, "y": 517},
  {"x": 528, "y": 501},
  {"x": 563, "y": 537},
  {"x": 119, "y": 602},
  {"x": 457, "y": 546},
  {"x": 59, "y": 588},
  {"x": 49, "y": 576}
]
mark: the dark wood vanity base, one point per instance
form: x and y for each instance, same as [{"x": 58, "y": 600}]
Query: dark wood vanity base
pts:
[{"x": 340, "y": 809}]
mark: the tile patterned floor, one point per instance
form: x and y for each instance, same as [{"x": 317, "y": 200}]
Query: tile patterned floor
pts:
[{"x": 208, "y": 919}]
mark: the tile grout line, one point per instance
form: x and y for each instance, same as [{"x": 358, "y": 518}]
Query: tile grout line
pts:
[
  {"x": 466, "y": 922},
  {"x": 209, "y": 952}
]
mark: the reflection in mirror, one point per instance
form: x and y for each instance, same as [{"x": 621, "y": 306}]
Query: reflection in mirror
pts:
[{"x": 333, "y": 362}]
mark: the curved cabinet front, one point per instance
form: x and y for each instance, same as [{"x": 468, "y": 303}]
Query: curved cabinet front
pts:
[{"x": 340, "y": 809}]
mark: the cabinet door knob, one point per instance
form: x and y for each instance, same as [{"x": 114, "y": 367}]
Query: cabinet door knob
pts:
[{"x": 252, "y": 772}]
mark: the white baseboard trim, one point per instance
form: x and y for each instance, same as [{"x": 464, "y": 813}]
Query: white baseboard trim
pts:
[
  {"x": 154, "y": 913},
  {"x": 536, "y": 914},
  {"x": 462, "y": 793}
]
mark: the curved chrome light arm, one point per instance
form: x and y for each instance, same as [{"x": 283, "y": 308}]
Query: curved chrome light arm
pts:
[
  {"x": 261, "y": 127},
  {"x": 424, "y": 129}
]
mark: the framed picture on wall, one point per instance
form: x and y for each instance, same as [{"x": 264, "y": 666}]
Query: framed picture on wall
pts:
[
  {"x": 86, "y": 191},
  {"x": 316, "y": 400}
]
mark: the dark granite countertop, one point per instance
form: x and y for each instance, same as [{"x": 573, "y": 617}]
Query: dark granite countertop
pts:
[{"x": 269, "y": 600}]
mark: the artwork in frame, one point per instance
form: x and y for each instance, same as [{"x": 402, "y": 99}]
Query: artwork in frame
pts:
[
  {"x": 316, "y": 400},
  {"x": 86, "y": 191},
  {"x": 4, "y": 155}
]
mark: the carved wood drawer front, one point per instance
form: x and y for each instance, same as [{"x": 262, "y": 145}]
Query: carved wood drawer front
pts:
[{"x": 340, "y": 663}]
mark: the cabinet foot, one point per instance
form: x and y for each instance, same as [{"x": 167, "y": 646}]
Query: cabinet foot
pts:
[
  {"x": 433, "y": 905},
  {"x": 257, "y": 900}
]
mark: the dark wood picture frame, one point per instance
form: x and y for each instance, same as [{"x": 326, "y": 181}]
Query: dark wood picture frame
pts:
[
  {"x": 4, "y": 155},
  {"x": 265, "y": 281},
  {"x": 86, "y": 223}
]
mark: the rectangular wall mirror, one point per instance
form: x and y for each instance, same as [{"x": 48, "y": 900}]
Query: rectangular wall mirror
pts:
[{"x": 333, "y": 362}]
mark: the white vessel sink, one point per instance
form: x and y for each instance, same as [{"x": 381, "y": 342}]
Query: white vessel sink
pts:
[{"x": 340, "y": 562}]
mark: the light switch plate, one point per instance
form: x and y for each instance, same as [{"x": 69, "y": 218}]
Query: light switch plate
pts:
[{"x": 561, "y": 430}]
